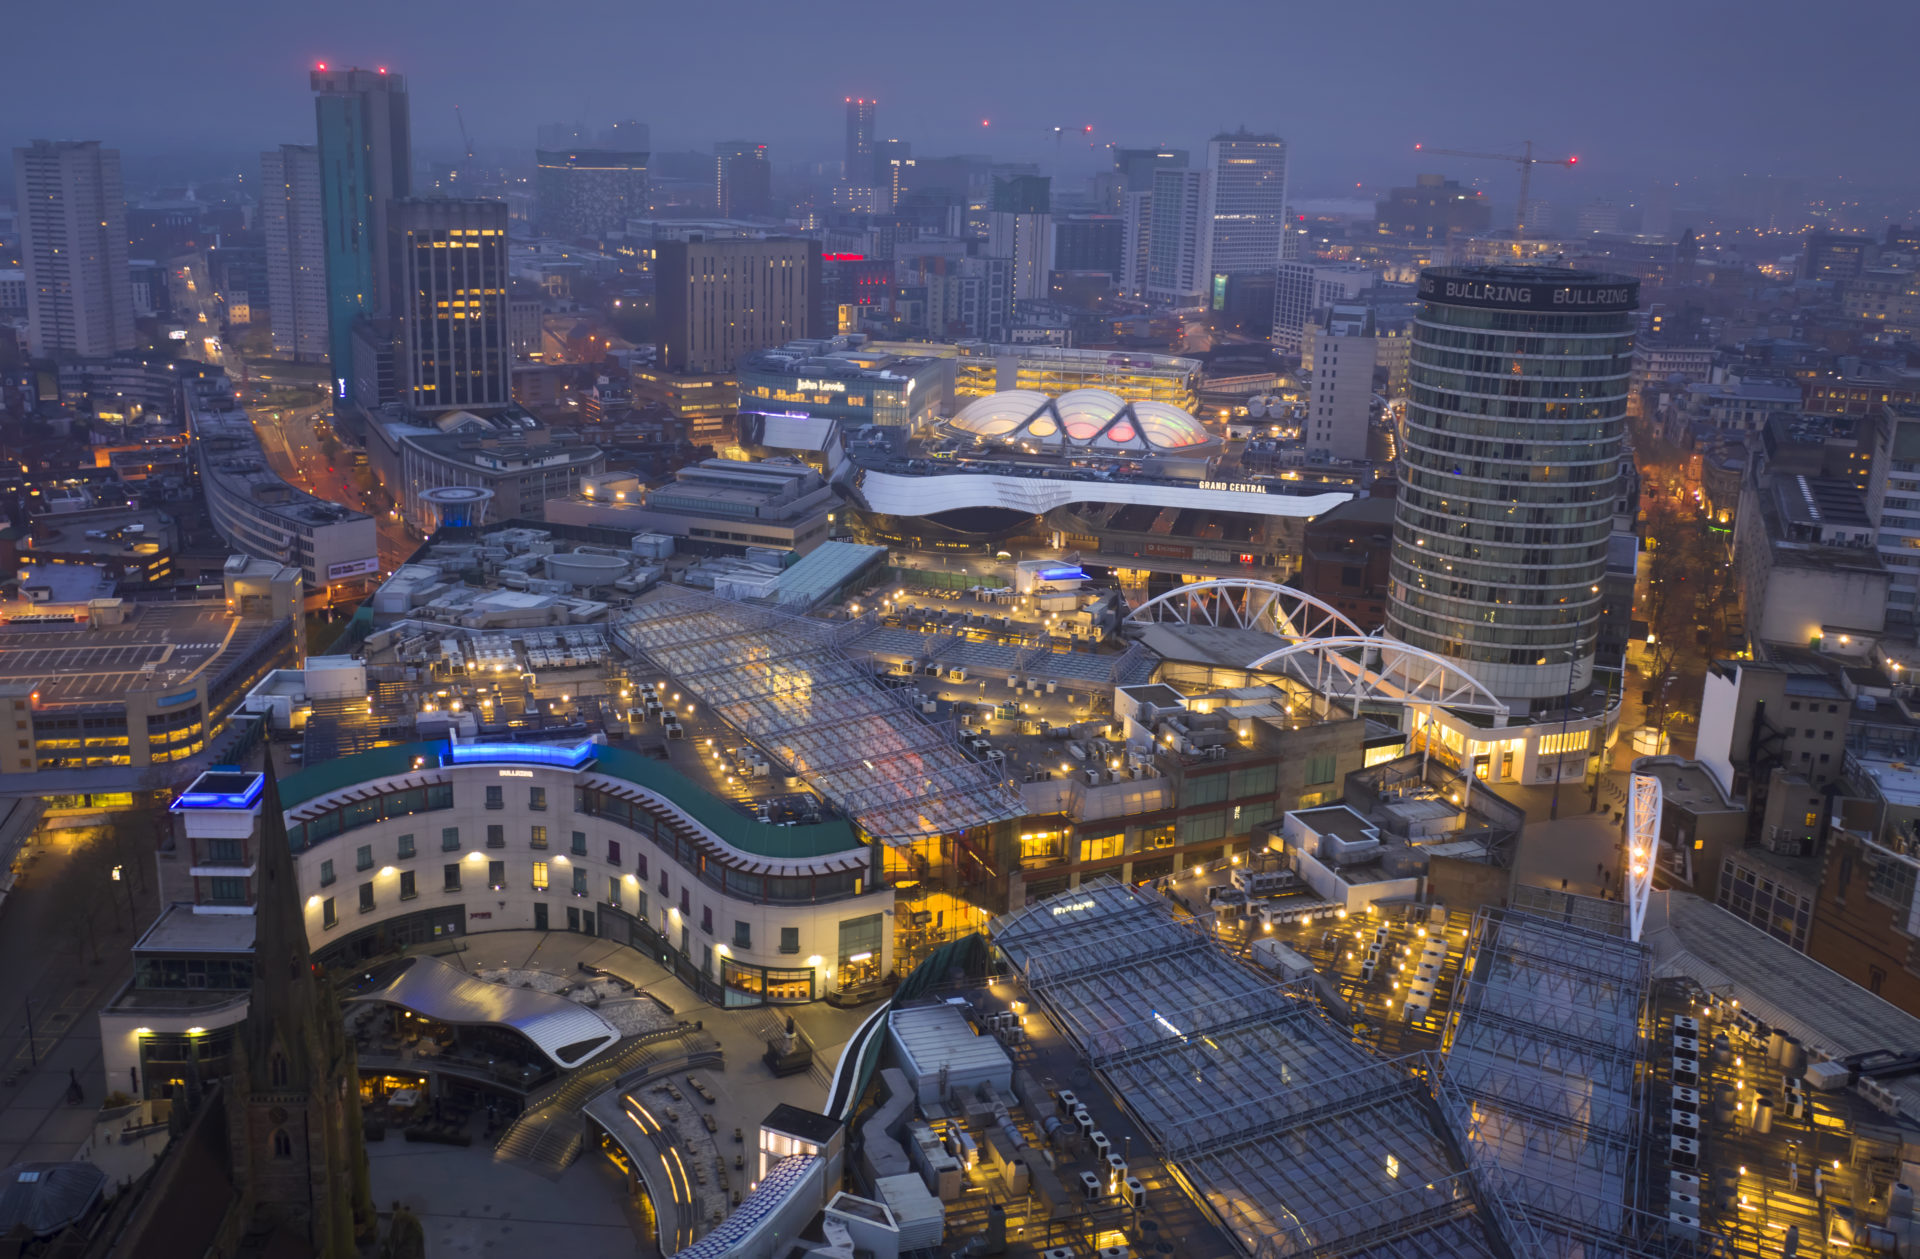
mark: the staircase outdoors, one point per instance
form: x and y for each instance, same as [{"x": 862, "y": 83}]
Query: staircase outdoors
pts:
[{"x": 548, "y": 1134}]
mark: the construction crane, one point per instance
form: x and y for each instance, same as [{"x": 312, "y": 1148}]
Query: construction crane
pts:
[
  {"x": 458, "y": 117},
  {"x": 1524, "y": 159}
]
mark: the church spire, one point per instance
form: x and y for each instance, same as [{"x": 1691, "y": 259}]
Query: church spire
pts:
[{"x": 276, "y": 1031}]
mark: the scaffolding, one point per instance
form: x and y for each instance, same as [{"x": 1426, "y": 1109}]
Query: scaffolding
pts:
[
  {"x": 1522, "y": 1140},
  {"x": 786, "y": 683}
]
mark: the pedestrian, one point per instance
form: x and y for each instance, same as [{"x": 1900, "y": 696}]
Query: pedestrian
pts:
[{"x": 1793, "y": 1175}]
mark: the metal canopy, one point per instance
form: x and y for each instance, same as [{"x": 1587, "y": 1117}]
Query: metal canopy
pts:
[
  {"x": 1522, "y": 1140},
  {"x": 785, "y": 683}
]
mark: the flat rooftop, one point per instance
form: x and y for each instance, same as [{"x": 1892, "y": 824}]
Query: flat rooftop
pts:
[
  {"x": 179, "y": 930},
  {"x": 160, "y": 644}
]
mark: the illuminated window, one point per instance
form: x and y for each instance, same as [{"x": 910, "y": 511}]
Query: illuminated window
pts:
[{"x": 539, "y": 876}]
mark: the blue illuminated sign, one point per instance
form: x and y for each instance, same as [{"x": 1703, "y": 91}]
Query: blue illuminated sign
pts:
[
  {"x": 168, "y": 701},
  {"x": 575, "y": 757},
  {"x": 206, "y": 794},
  {"x": 1063, "y": 573}
]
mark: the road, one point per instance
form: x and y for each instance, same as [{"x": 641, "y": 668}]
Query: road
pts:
[{"x": 290, "y": 438}]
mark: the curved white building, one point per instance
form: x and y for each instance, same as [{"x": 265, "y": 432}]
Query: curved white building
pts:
[{"x": 422, "y": 841}]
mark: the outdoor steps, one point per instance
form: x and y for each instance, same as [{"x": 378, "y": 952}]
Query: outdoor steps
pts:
[{"x": 548, "y": 1134}]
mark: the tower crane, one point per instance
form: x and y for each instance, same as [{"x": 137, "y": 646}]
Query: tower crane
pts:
[
  {"x": 1524, "y": 159},
  {"x": 466, "y": 140}
]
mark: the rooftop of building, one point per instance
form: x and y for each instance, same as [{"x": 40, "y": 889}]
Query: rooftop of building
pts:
[
  {"x": 839, "y": 359},
  {"x": 179, "y": 930},
  {"x": 230, "y": 453},
  {"x": 157, "y": 646}
]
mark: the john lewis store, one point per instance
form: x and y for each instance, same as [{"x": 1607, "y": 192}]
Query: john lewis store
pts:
[{"x": 425, "y": 841}]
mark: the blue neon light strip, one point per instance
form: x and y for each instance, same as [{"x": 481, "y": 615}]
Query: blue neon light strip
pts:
[
  {"x": 1062, "y": 574},
  {"x": 222, "y": 799},
  {"x": 574, "y": 757}
]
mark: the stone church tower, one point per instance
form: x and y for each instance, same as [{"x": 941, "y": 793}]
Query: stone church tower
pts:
[{"x": 294, "y": 1107}]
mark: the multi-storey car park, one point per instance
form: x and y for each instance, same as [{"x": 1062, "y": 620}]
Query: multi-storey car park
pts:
[{"x": 257, "y": 512}]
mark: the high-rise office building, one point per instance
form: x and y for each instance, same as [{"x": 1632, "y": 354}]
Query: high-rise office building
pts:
[
  {"x": 860, "y": 137},
  {"x": 73, "y": 240},
  {"x": 1248, "y": 178},
  {"x": 1303, "y": 289},
  {"x": 455, "y": 347},
  {"x": 1340, "y": 399},
  {"x": 892, "y": 164},
  {"x": 366, "y": 162},
  {"x": 1134, "y": 169},
  {"x": 296, "y": 251},
  {"x": 1020, "y": 229},
  {"x": 1180, "y": 236},
  {"x": 1136, "y": 166},
  {"x": 742, "y": 180},
  {"x": 1435, "y": 210},
  {"x": 719, "y": 299},
  {"x": 1510, "y": 471},
  {"x": 588, "y": 192}
]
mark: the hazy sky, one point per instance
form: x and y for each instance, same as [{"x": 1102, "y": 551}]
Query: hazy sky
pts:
[{"x": 1636, "y": 88}]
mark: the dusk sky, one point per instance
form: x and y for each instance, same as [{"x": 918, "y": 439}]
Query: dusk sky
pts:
[{"x": 1637, "y": 88}]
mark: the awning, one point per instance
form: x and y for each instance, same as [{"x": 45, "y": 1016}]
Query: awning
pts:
[{"x": 565, "y": 1031}]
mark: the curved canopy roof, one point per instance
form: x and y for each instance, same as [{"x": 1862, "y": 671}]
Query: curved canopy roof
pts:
[
  {"x": 1090, "y": 419},
  {"x": 565, "y": 1031}
]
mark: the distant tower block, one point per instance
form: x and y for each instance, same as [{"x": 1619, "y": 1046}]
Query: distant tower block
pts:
[{"x": 454, "y": 506}]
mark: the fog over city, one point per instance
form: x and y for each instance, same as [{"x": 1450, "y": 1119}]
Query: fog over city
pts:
[{"x": 1640, "y": 90}]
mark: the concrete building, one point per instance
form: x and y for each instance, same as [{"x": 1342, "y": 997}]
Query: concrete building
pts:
[
  {"x": 1303, "y": 290},
  {"x": 366, "y": 162},
  {"x": 857, "y": 167},
  {"x": 1340, "y": 402},
  {"x": 1804, "y": 549},
  {"x": 507, "y": 454},
  {"x": 835, "y": 380},
  {"x": 742, "y": 180},
  {"x": 714, "y": 507},
  {"x": 719, "y": 299},
  {"x": 73, "y": 240},
  {"x": 1180, "y": 237},
  {"x": 257, "y": 513},
  {"x": 92, "y": 711},
  {"x": 455, "y": 351},
  {"x": 1247, "y": 196},
  {"x": 290, "y": 216},
  {"x": 1433, "y": 211},
  {"x": 588, "y": 192},
  {"x": 1501, "y": 535},
  {"x": 1025, "y": 241},
  {"x": 1343, "y": 559},
  {"x": 1134, "y": 171}
]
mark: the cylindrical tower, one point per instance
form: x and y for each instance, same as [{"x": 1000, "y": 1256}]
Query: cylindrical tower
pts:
[{"x": 1516, "y": 414}]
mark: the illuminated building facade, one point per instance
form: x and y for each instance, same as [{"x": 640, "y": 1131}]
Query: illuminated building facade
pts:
[
  {"x": 588, "y": 192},
  {"x": 452, "y": 261},
  {"x": 1516, "y": 414},
  {"x": 366, "y": 162},
  {"x": 73, "y": 239}
]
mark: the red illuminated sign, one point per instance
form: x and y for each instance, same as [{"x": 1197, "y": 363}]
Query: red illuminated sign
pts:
[{"x": 843, "y": 257}]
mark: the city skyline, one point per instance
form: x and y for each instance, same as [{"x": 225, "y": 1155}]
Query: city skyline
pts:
[{"x": 793, "y": 84}]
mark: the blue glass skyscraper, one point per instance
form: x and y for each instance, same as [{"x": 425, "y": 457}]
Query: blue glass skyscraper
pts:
[{"x": 366, "y": 162}]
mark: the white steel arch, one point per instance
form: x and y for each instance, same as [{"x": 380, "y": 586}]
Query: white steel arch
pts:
[
  {"x": 1645, "y": 801},
  {"x": 1359, "y": 668},
  {"x": 1244, "y": 603}
]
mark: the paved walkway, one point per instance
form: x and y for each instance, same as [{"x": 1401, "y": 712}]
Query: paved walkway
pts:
[
  {"x": 45, "y": 968},
  {"x": 475, "y": 1208}
]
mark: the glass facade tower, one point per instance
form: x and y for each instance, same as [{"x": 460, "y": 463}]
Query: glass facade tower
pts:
[
  {"x": 366, "y": 162},
  {"x": 1516, "y": 416}
]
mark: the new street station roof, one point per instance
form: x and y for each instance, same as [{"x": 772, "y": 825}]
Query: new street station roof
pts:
[
  {"x": 1522, "y": 1140},
  {"x": 1297, "y": 1140},
  {"x": 1542, "y": 1055},
  {"x": 786, "y": 683}
]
